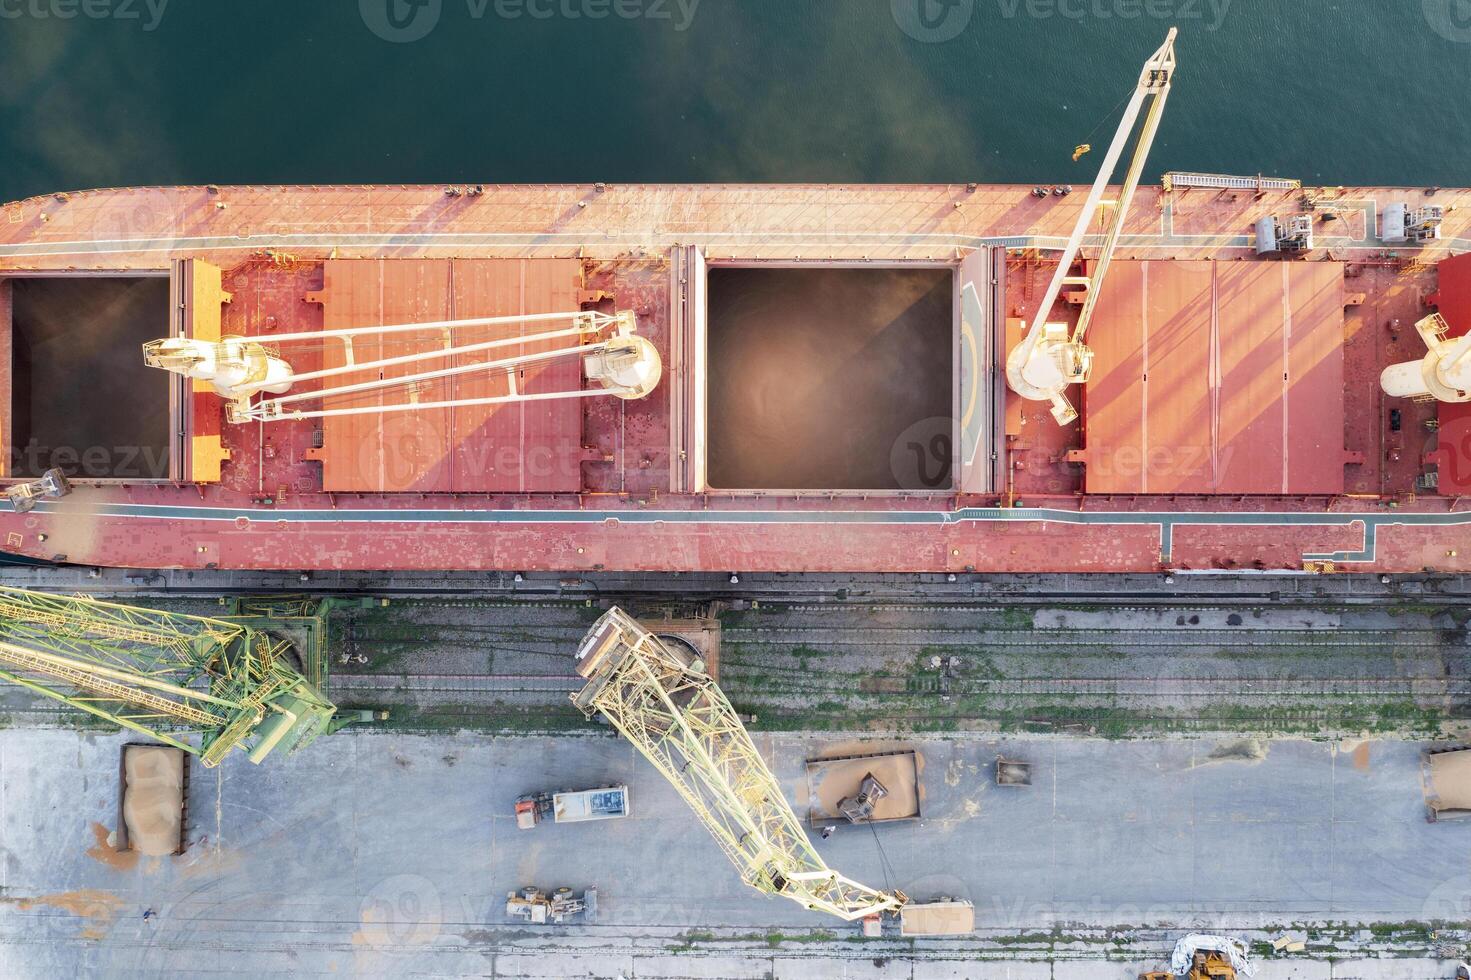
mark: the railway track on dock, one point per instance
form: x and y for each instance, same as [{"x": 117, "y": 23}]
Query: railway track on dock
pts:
[
  {"x": 1193, "y": 687},
  {"x": 827, "y": 590},
  {"x": 1191, "y": 664}
]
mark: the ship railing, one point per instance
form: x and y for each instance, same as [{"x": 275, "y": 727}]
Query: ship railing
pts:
[{"x": 1258, "y": 183}]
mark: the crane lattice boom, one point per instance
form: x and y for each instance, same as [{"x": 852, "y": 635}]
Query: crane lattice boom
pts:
[
  {"x": 677, "y": 717},
  {"x": 204, "y": 685}
]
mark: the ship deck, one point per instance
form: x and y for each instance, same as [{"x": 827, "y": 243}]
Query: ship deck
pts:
[{"x": 613, "y": 485}]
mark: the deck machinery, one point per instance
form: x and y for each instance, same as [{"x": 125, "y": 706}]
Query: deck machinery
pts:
[
  {"x": 203, "y": 685},
  {"x": 662, "y": 700}
]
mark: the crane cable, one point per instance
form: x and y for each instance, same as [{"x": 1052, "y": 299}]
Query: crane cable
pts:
[
  {"x": 884, "y": 865},
  {"x": 1086, "y": 146}
]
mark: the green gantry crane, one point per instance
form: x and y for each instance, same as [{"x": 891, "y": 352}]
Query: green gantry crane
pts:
[{"x": 204, "y": 685}]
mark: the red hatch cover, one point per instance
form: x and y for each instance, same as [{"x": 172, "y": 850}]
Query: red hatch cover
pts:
[
  {"x": 518, "y": 447},
  {"x": 1216, "y": 377}
]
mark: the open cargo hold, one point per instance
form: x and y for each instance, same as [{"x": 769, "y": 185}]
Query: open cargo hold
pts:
[
  {"x": 80, "y": 397},
  {"x": 819, "y": 378}
]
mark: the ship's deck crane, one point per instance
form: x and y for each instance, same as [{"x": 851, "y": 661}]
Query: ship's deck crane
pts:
[
  {"x": 1444, "y": 373},
  {"x": 615, "y": 359},
  {"x": 673, "y": 712},
  {"x": 203, "y": 685},
  {"x": 1051, "y": 357}
]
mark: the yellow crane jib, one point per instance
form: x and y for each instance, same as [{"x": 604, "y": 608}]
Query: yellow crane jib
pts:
[{"x": 664, "y": 702}]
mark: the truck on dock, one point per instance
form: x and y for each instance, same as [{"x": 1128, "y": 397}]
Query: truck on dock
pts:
[
  {"x": 943, "y": 917},
  {"x": 608, "y": 803},
  {"x": 872, "y": 788},
  {"x": 540, "y": 908}
]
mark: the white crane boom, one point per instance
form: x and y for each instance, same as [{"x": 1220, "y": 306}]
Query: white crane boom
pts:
[
  {"x": 621, "y": 362},
  {"x": 1051, "y": 357}
]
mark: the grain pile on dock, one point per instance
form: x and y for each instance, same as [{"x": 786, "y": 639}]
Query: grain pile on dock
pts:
[{"x": 153, "y": 800}]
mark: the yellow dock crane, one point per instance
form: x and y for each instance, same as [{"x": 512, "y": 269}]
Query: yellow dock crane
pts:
[
  {"x": 1050, "y": 356},
  {"x": 662, "y": 700},
  {"x": 203, "y": 685}
]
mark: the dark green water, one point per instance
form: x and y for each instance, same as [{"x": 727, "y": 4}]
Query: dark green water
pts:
[{"x": 265, "y": 91}]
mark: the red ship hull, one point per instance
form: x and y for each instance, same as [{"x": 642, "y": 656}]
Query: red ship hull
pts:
[{"x": 1234, "y": 421}]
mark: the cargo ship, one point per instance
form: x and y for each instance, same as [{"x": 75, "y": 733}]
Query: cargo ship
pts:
[{"x": 728, "y": 377}]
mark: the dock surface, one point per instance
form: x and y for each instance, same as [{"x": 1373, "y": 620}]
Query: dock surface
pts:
[{"x": 374, "y": 854}]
